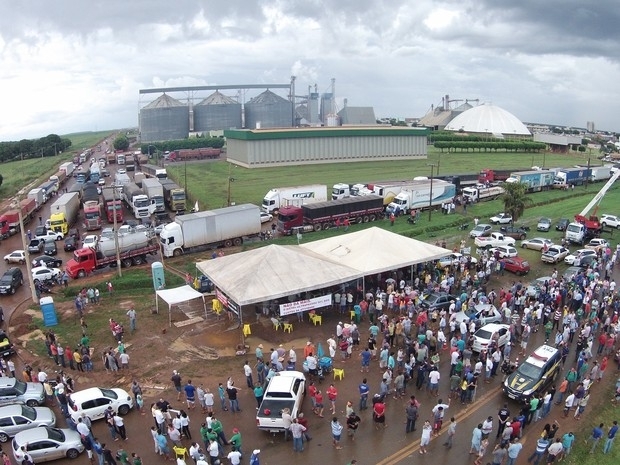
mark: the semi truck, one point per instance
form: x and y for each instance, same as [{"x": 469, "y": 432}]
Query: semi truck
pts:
[
  {"x": 68, "y": 167},
  {"x": 600, "y": 173},
  {"x": 95, "y": 173},
  {"x": 279, "y": 197},
  {"x": 174, "y": 195},
  {"x": 9, "y": 220},
  {"x": 534, "y": 180},
  {"x": 50, "y": 188},
  {"x": 92, "y": 215},
  {"x": 342, "y": 190},
  {"x": 155, "y": 192},
  {"x": 136, "y": 200},
  {"x": 134, "y": 249},
  {"x": 194, "y": 154},
  {"x": 90, "y": 192},
  {"x": 324, "y": 215},
  {"x": 113, "y": 205},
  {"x": 566, "y": 177},
  {"x": 120, "y": 158},
  {"x": 421, "y": 195},
  {"x": 487, "y": 176},
  {"x": 481, "y": 193},
  {"x": 59, "y": 178},
  {"x": 39, "y": 197},
  {"x": 388, "y": 191},
  {"x": 226, "y": 227},
  {"x": 64, "y": 212},
  {"x": 110, "y": 158},
  {"x": 154, "y": 171}
]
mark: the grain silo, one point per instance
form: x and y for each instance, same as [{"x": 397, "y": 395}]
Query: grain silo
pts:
[
  {"x": 217, "y": 112},
  {"x": 164, "y": 119},
  {"x": 268, "y": 110}
]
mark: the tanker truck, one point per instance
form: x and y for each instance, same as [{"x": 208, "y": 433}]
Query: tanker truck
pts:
[{"x": 133, "y": 249}]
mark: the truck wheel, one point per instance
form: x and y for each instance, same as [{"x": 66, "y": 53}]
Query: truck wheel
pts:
[
  {"x": 317, "y": 227},
  {"x": 137, "y": 260},
  {"x": 373, "y": 217},
  {"x": 176, "y": 253},
  {"x": 237, "y": 241},
  {"x": 358, "y": 220},
  {"x": 228, "y": 243},
  {"x": 81, "y": 274},
  {"x": 127, "y": 262},
  {"x": 325, "y": 226},
  {"x": 366, "y": 219}
]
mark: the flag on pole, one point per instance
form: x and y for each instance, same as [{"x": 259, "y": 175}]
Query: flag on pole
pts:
[{"x": 196, "y": 206}]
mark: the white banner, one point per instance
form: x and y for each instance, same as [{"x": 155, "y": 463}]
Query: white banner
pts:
[{"x": 305, "y": 305}]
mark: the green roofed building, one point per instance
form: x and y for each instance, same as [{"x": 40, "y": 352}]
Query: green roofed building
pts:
[{"x": 261, "y": 148}]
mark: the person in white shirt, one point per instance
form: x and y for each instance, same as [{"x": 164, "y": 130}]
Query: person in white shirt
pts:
[
  {"x": 234, "y": 456},
  {"x": 41, "y": 376},
  {"x": 433, "y": 378}
]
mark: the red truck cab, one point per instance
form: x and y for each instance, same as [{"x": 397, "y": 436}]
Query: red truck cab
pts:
[
  {"x": 289, "y": 218},
  {"x": 92, "y": 215},
  {"x": 84, "y": 261}
]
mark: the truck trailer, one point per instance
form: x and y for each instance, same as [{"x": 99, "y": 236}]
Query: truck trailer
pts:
[
  {"x": 64, "y": 212},
  {"x": 9, "y": 220},
  {"x": 194, "y": 154},
  {"x": 566, "y": 177},
  {"x": 155, "y": 192},
  {"x": 422, "y": 195},
  {"x": 112, "y": 205},
  {"x": 280, "y": 197},
  {"x": 535, "y": 180},
  {"x": 38, "y": 195},
  {"x": 324, "y": 215},
  {"x": 68, "y": 167},
  {"x": 226, "y": 227},
  {"x": 174, "y": 195},
  {"x": 154, "y": 171},
  {"x": 481, "y": 193}
]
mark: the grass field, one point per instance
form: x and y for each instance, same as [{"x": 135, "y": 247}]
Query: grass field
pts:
[
  {"x": 208, "y": 182},
  {"x": 20, "y": 175}
]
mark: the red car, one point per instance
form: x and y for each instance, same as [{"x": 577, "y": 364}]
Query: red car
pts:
[{"x": 516, "y": 265}]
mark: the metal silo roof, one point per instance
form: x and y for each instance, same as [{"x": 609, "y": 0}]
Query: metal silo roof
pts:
[
  {"x": 217, "y": 98},
  {"x": 268, "y": 97},
  {"x": 164, "y": 101}
]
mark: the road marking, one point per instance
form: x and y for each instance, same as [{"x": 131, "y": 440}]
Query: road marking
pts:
[{"x": 415, "y": 445}]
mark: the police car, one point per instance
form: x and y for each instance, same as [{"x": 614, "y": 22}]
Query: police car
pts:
[{"x": 537, "y": 372}]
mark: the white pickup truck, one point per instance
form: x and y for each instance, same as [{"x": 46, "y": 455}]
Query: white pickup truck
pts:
[
  {"x": 285, "y": 390},
  {"x": 496, "y": 239}
]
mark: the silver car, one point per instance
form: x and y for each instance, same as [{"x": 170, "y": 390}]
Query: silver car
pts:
[
  {"x": 46, "y": 443},
  {"x": 14, "y": 391},
  {"x": 17, "y": 418}
]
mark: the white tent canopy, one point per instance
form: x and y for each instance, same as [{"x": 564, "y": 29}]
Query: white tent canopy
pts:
[
  {"x": 178, "y": 295},
  {"x": 375, "y": 250},
  {"x": 274, "y": 271}
]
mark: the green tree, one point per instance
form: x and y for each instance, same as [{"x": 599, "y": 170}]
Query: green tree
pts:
[
  {"x": 121, "y": 143},
  {"x": 515, "y": 199},
  {"x": 1, "y": 179}
]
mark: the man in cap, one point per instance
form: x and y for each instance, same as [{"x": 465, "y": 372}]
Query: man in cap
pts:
[
  {"x": 254, "y": 458},
  {"x": 176, "y": 381}
]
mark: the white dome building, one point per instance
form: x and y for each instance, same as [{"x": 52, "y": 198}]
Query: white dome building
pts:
[{"x": 489, "y": 119}]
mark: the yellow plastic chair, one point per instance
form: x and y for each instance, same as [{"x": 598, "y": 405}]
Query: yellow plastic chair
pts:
[
  {"x": 276, "y": 323},
  {"x": 288, "y": 327},
  {"x": 339, "y": 373},
  {"x": 318, "y": 319},
  {"x": 246, "y": 330},
  {"x": 352, "y": 313}
]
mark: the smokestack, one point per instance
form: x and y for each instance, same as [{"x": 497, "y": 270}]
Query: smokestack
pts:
[{"x": 446, "y": 102}]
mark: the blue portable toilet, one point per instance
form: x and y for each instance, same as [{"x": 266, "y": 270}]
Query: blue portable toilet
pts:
[
  {"x": 50, "y": 318},
  {"x": 159, "y": 279}
]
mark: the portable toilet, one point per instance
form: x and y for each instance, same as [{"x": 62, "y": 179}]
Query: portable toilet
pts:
[
  {"x": 159, "y": 279},
  {"x": 50, "y": 318}
]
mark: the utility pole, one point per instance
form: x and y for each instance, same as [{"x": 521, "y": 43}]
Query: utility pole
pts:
[
  {"x": 430, "y": 199},
  {"x": 33, "y": 292}
]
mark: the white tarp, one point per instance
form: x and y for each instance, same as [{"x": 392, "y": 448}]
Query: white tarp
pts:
[
  {"x": 178, "y": 295},
  {"x": 274, "y": 271}
]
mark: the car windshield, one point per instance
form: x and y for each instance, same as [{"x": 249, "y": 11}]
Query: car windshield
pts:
[
  {"x": 483, "y": 334},
  {"x": 29, "y": 412},
  {"x": 529, "y": 371},
  {"x": 20, "y": 387},
  {"x": 109, "y": 393}
]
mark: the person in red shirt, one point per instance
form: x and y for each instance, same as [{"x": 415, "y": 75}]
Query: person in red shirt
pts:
[
  {"x": 332, "y": 393},
  {"x": 516, "y": 428},
  {"x": 318, "y": 397},
  {"x": 378, "y": 414},
  {"x": 312, "y": 390}
]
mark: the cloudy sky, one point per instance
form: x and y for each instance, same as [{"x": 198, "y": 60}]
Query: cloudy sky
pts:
[{"x": 70, "y": 66}]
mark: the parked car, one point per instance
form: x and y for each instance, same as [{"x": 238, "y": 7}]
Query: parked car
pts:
[
  {"x": 484, "y": 335},
  {"x": 571, "y": 272},
  {"x": 43, "y": 273},
  {"x": 71, "y": 243},
  {"x": 46, "y": 260},
  {"x": 14, "y": 391},
  {"x": 437, "y": 300},
  {"x": 481, "y": 314},
  {"x": 50, "y": 248},
  {"x": 454, "y": 259},
  {"x": 17, "y": 418},
  {"x": 587, "y": 261},
  {"x": 481, "y": 230},
  {"x": 265, "y": 217},
  {"x": 46, "y": 443},
  {"x": 544, "y": 224},
  {"x": 575, "y": 257},
  {"x": 36, "y": 246},
  {"x": 90, "y": 241},
  {"x": 514, "y": 232},
  {"x": 17, "y": 256},
  {"x": 533, "y": 289},
  {"x": 95, "y": 401},
  {"x": 504, "y": 251},
  {"x": 535, "y": 374},
  {"x": 6, "y": 346},
  {"x": 51, "y": 236},
  {"x": 537, "y": 243},
  {"x": 562, "y": 224},
  {"x": 554, "y": 254},
  {"x": 501, "y": 218},
  {"x": 516, "y": 265},
  {"x": 611, "y": 221},
  {"x": 11, "y": 280},
  {"x": 597, "y": 243}
]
